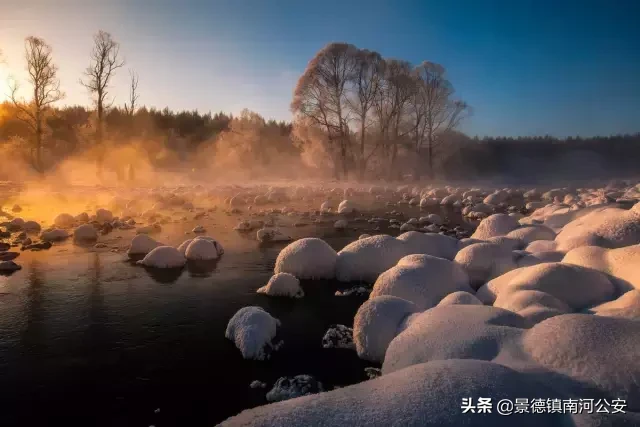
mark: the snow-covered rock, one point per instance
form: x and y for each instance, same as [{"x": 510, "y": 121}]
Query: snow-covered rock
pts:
[
  {"x": 539, "y": 258},
  {"x": 341, "y": 224},
  {"x": 282, "y": 284},
  {"x": 531, "y": 233},
  {"x": 366, "y": 259},
  {"x": 627, "y": 307},
  {"x": 64, "y": 220},
  {"x": 200, "y": 250},
  {"x": 252, "y": 329},
  {"x": 422, "y": 279},
  {"x": 485, "y": 261},
  {"x": 453, "y": 332},
  {"x": 308, "y": 258},
  {"x": 460, "y": 297},
  {"x": 54, "y": 235},
  {"x": 85, "y": 233},
  {"x": 426, "y": 202},
  {"x": 425, "y": 395},
  {"x": 434, "y": 244},
  {"x": 346, "y": 206},
  {"x": 621, "y": 264},
  {"x": 142, "y": 245},
  {"x": 377, "y": 323},
  {"x": 495, "y": 225},
  {"x": 163, "y": 257}
]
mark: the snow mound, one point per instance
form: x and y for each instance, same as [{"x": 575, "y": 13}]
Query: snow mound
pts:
[
  {"x": 287, "y": 388},
  {"x": 64, "y": 220},
  {"x": 496, "y": 198},
  {"x": 268, "y": 234},
  {"x": 453, "y": 332},
  {"x": 341, "y": 224},
  {"x": 428, "y": 201},
  {"x": 377, "y": 322},
  {"x": 520, "y": 300},
  {"x": 540, "y": 257},
  {"x": 531, "y": 233},
  {"x": 364, "y": 236},
  {"x": 460, "y": 297},
  {"x": 308, "y": 258},
  {"x": 366, "y": 259},
  {"x": 627, "y": 307},
  {"x": 578, "y": 287},
  {"x": 103, "y": 215},
  {"x": 200, "y": 250},
  {"x": 428, "y": 394},
  {"x": 252, "y": 329},
  {"x": 541, "y": 246},
  {"x": 433, "y": 244},
  {"x": 495, "y": 225},
  {"x": 612, "y": 228},
  {"x": 282, "y": 284},
  {"x": 54, "y": 235},
  {"x": 346, "y": 206},
  {"x": 596, "y": 350},
  {"x": 338, "y": 336},
  {"x": 485, "y": 261},
  {"x": 85, "y": 233},
  {"x": 422, "y": 279},
  {"x": 163, "y": 257},
  {"x": 621, "y": 263},
  {"x": 142, "y": 245}
]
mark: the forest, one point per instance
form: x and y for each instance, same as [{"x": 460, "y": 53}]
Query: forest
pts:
[{"x": 355, "y": 115}]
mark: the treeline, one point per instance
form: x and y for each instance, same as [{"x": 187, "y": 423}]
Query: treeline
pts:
[{"x": 356, "y": 115}]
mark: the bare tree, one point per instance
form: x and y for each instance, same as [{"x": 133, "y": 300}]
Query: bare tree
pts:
[
  {"x": 43, "y": 77},
  {"x": 105, "y": 61},
  {"x": 130, "y": 108},
  {"x": 367, "y": 81},
  {"x": 440, "y": 112},
  {"x": 321, "y": 95}
]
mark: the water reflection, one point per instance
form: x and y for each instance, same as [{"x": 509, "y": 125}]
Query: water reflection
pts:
[
  {"x": 201, "y": 268},
  {"x": 164, "y": 275},
  {"x": 32, "y": 337}
]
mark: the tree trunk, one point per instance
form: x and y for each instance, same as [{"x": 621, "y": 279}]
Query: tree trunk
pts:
[
  {"x": 363, "y": 162},
  {"x": 38, "y": 162},
  {"x": 99, "y": 136},
  {"x": 431, "y": 174}
]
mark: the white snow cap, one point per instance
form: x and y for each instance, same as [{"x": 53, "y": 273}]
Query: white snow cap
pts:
[
  {"x": 206, "y": 252},
  {"x": 366, "y": 259},
  {"x": 163, "y": 257},
  {"x": 252, "y": 329},
  {"x": 142, "y": 245},
  {"x": 308, "y": 258},
  {"x": 495, "y": 225},
  {"x": 485, "y": 261},
  {"x": 282, "y": 284},
  {"x": 341, "y": 224},
  {"x": 346, "y": 206},
  {"x": 422, "y": 279},
  {"x": 460, "y": 297},
  {"x": 201, "y": 250},
  {"x": 377, "y": 322},
  {"x": 434, "y": 244}
]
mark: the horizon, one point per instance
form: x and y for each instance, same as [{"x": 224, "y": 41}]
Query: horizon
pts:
[{"x": 526, "y": 70}]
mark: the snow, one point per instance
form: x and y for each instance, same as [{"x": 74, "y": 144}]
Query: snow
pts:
[
  {"x": 200, "y": 250},
  {"x": 460, "y": 297},
  {"x": 252, "y": 330},
  {"x": 163, "y": 257},
  {"x": 346, "y": 206},
  {"x": 199, "y": 229},
  {"x": 308, "y": 258},
  {"x": 520, "y": 300},
  {"x": 341, "y": 224},
  {"x": 422, "y": 279},
  {"x": 64, "y": 220},
  {"x": 85, "y": 233},
  {"x": 269, "y": 234},
  {"x": 596, "y": 350},
  {"x": 257, "y": 384},
  {"x": 364, "y": 236},
  {"x": 496, "y": 198},
  {"x": 610, "y": 227},
  {"x": 338, "y": 336},
  {"x": 54, "y": 235},
  {"x": 626, "y": 306},
  {"x": 541, "y": 246},
  {"x": 426, "y": 202},
  {"x": 428, "y": 394},
  {"x": 453, "y": 332},
  {"x": 377, "y": 323},
  {"x": 287, "y": 388},
  {"x": 103, "y": 215},
  {"x": 434, "y": 244},
  {"x": 366, "y": 259},
  {"x": 485, "y": 261},
  {"x": 142, "y": 245},
  {"x": 531, "y": 233},
  {"x": 539, "y": 258},
  {"x": 495, "y": 225},
  {"x": 621, "y": 264},
  {"x": 577, "y": 286},
  {"x": 282, "y": 284}
]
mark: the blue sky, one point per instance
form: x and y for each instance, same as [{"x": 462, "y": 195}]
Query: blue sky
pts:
[{"x": 526, "y": 67}]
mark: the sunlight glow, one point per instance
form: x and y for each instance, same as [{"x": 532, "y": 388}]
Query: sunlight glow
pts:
[{"x": 4, "y": 83}]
